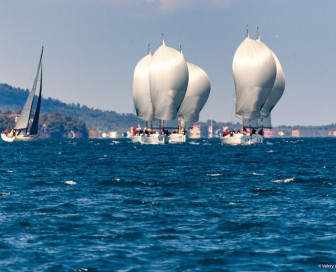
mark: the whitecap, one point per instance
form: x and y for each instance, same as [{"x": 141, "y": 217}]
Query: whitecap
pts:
[
  {"x": 270, "y": 151},
  {"x": 5, "y": 194},
  {"x": 213, "y": 175},
  {"x": 257, "y": 174},
  {"x": 70, "y": 182},
  {"x": 9, "y": 171},
  {"x": 284, "y": 180},
  {"x": 325, "y": 166},
  {"x": 194, "y": 143}
]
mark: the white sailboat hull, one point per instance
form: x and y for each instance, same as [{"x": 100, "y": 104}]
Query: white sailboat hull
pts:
[
  {"x": 242, "y": 139},
  {"x": 155, "y": 138},
  {"x": 25, "y": 137},
  {"x": 7, "y": 138},
  {"x": 176, "y": 138},
  {"x": 10, "y": 138}
]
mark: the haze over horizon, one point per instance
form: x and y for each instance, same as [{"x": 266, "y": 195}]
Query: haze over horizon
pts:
[{"x": 92, "y": 47}]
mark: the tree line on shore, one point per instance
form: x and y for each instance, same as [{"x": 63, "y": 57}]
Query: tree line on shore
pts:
[{"x": 60, "y": 120}]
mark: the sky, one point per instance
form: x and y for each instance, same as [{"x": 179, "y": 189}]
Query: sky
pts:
[{"x": 92, "y": 47}]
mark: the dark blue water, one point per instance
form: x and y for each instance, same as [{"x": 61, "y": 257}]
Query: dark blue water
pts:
[{"x": 106, "y": 205}]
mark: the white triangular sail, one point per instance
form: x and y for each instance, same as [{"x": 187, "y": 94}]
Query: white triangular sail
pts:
[
  {"x": 197, "y": 94},
  {"x": 168, "y": 80},
  {"x": 23, "y": 121},
  {"x": 254, "y": 72},
  {"x": 141, "y": 89}
]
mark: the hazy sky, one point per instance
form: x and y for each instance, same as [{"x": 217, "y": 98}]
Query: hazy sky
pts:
[{"x": 92, "y": 47}]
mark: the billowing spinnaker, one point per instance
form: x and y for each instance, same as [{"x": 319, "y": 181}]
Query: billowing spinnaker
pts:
[
  {"x": 168, "y": 80},
  {"x": 254, "y": 72},
  {"x": 277, "y": 90},
  {"x": 141, "y": 89},
  {"x": 197, "y": 94}
]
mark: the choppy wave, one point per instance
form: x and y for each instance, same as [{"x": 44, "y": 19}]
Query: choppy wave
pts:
[
  {"x": 99, "y": 205},
  {"x": 70, "y": 182},
  {"x": 284, "y": 180}
]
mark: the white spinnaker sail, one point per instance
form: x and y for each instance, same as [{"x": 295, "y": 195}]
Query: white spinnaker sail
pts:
[
  {"x": 254, "y": 72},
  {"x": 168, "y": 80},
  {"x": 141, "y": 90},
  {"x": 278, "y": 87},
  {"x": 197, "y": 94}
]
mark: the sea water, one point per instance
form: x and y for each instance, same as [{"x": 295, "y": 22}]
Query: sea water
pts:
[{"x": 111, "y": 205}]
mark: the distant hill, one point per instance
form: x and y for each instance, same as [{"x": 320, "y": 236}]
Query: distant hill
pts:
[{"x": 12, "y": 99}]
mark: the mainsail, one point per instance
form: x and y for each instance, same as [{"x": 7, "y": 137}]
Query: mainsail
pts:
[
  {"x": 141, "y": 89},
  {"x": 196, "y": 96},
  {"x": 254, "y": 72},
  {"x": 168, "y": 80},
  {"x": 23, "y": 121}
]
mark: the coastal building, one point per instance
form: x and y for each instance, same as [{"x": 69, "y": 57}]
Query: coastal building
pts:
[
  {"x": 110, "y": 135},
  {"x": 332, "y": 133},
  {"x": 295, "y": 133},
  {"x": 195, "y": 132},
  {"x": 93, "y": 134},
  {"x": 268, "y": 133},
  {"x": 210, "y": 132}
]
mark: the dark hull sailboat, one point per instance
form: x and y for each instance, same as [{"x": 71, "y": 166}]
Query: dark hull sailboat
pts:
[{"x": 21, "y": 130}]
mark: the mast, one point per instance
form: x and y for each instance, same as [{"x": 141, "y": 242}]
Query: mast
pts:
[
  {"x": 258, "y": 34},
  {"x": 148, "y": 49},
  {"x": 23, "y": 121}
]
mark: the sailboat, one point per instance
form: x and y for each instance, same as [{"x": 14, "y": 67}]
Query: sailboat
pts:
[
  {"x": 164, "y": 76},
  {"x": 194, "y": 100},
  {"x": 254, "y": 71},
  {"x": 168, "y": 79},
  {"x": 20, "y": 131}
]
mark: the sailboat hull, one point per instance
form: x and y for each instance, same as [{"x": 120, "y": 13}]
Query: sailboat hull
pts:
[
  {"x": 177, "y": 138},
  {"x": 26, "y": 137},
  {"x": 241, "y": 139},
  {"x": 7, "y": 138},
  {"x": 155, "y": 138},
  {"x": 10, "y": 138}
]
